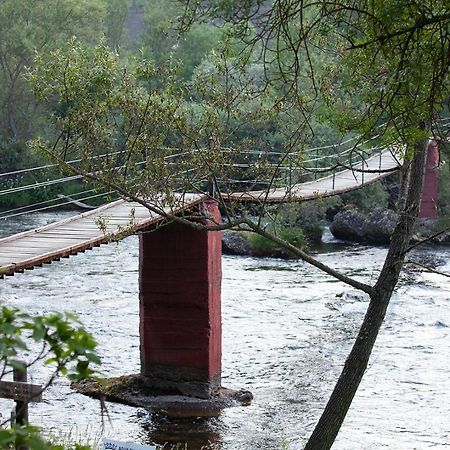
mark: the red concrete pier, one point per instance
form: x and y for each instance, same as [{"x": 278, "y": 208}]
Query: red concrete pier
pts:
[{"x": 180, "y": 308}]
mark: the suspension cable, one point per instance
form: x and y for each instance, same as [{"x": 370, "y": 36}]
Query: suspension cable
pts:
[
  {"x": 55, "y": 199},
  {"x": 54, "y": 206}
]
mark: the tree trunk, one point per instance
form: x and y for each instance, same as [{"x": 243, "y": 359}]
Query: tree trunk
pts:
[{"x": 341, "y": 398}]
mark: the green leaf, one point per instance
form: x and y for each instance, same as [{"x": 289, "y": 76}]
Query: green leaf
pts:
[
  {"x": 92, "y": 357},
  {"x": 6, "y": 437}
]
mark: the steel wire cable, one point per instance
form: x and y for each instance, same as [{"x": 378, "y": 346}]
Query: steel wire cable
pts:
[
  {"x": 55, "y": 206},
  {"x": 44, "y": 202},
  {"x": 76, "y": 161},
  {"x": 104, "y": 155},
  {"x": 184, "y": 153}
]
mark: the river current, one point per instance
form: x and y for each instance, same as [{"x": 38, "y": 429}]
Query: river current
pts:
[{"x": 286, "y": 331}]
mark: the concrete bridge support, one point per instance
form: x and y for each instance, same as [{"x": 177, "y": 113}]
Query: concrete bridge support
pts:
[
  {"x": 180, "y": 313},
  {"x": 428, "y": 205}
]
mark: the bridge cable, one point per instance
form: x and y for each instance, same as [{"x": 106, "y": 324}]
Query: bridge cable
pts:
[{"x": 54, "y": 206}]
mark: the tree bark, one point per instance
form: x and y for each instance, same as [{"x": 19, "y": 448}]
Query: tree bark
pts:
[{"x": 341, "y": 398}]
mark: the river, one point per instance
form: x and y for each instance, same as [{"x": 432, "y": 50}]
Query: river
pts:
[{"x": 286, "y": 331}]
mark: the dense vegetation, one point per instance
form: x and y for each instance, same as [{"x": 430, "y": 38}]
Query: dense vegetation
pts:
[{"x": 138, "y": 31}]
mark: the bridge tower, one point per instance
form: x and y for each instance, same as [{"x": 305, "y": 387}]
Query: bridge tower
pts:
[
  {"x": 428, "y": 205},
  {"x": 180, "y": 308}
]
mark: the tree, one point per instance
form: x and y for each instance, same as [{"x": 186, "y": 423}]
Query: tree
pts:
[
  {"x": 161, "y": 42},
  {"x": 29, "y": 26},
  {"x": 387, "y": 78},
  {"x": 116, "y": 16}
]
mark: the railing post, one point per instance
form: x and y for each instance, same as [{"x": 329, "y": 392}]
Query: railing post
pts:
[
  {"x": 211, "y": 187},
  {"x": 428, "y": 202},
  {"x": 317, "y": 164},
  {"x": 290, "y": 173}
]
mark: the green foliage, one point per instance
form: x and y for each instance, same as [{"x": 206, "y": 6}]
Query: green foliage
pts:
[
  {"x": 140, "y": 116},
  {"x": 292, "y": 235},
  {"x": 162, "y": 42},
  {"x": 371, "y": 196},
  {"x": 36, "y": 25},
  {"x": 63, "y": 343},
  {"x": 116, "y": 16},
  {"x": 11, "y": 155},
  {"x": 21, "y": 436},
  {"x": 357, "y": 64},
  {"x": 310, "y": 216},
  {"x": 27, "y": 436},
  {"x": 58, "y": 341}
]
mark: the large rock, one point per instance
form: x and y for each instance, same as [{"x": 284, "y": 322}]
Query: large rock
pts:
[
  {"x": 426, "y": 227},
  {"x": 348, "y": 225},
  {"x": 379, "y": 225},
  {"x": 234, "y": 243},
  {"x": 376, "y": 228}
]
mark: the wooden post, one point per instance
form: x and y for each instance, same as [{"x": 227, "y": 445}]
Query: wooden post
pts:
[
  {"x": 21, "y": 375},
  {"x": 21, "y": 392}
]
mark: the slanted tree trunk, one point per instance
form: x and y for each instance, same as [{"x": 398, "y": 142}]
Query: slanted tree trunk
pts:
[{"x": 341, "y": 398}]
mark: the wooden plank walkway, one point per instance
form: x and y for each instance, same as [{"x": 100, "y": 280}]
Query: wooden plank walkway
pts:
[
  {"x": 344, "y": 181},
  {"x": 79, "y": 233},
  {"x": 82, "y": 232}
]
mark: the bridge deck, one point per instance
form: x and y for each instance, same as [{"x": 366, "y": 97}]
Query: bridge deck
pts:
[
  {"x": 82, "y": 232},
  {"x": 77, "y": 234},
  {"x": 347, "y": 180}
]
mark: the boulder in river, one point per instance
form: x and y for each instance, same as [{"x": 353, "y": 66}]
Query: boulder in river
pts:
[
  {"x": 353, "y": 225},
  {"x": 234, "y": 243},
  {"x": 379, "y": 225},
  {"x": 348, "y": 225}
]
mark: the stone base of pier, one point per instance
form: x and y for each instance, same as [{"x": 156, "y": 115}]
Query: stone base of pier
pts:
[{"x": 134, "y": 391}]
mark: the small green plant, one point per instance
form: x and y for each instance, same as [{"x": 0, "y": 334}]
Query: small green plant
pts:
[
  {"x": 293, "y": 235},
  {"x": 85, "y": 437},
  {"x": 56, "y": 340},
  {"x": 102, "y": 223},
  {"x": 28, "y": 436}
]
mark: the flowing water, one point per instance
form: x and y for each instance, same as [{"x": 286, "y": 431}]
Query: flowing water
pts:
[{"x": 286, "y": 331}]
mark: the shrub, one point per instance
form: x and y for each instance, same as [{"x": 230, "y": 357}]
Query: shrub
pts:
[
  {"x": 293, "y": 235},
  {"x": 54, "y": 339}
]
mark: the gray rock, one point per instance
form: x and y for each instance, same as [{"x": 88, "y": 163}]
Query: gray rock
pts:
[
  {"x": 376, "y": 228},
  {"x": 235, "y": 244},
  {"x": 442, "y": 239},
  {"x": 426, "y": 227},
  {"x": 379, "y": 225},
  {"x": 348, "y": 225}
]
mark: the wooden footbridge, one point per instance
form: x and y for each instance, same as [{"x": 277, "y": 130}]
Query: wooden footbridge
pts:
[
  {"x": 179, "y": 269},
  {"x": 83, "y": 232}
]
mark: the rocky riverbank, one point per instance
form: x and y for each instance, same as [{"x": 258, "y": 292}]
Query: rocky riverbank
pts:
[{"x": 374, "y": 228}]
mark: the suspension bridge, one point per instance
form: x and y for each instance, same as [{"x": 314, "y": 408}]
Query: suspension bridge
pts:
[
  {"x": 180, "y": 267},
  {"x": 119, "y": 218}
]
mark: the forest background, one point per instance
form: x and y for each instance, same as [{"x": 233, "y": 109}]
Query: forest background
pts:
[{"x": 146, "y": 30}]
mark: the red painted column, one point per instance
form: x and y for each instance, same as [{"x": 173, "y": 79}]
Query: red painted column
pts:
[
  {"x": 180, "y": 313},
  {"x": 428, "y": 205}
]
